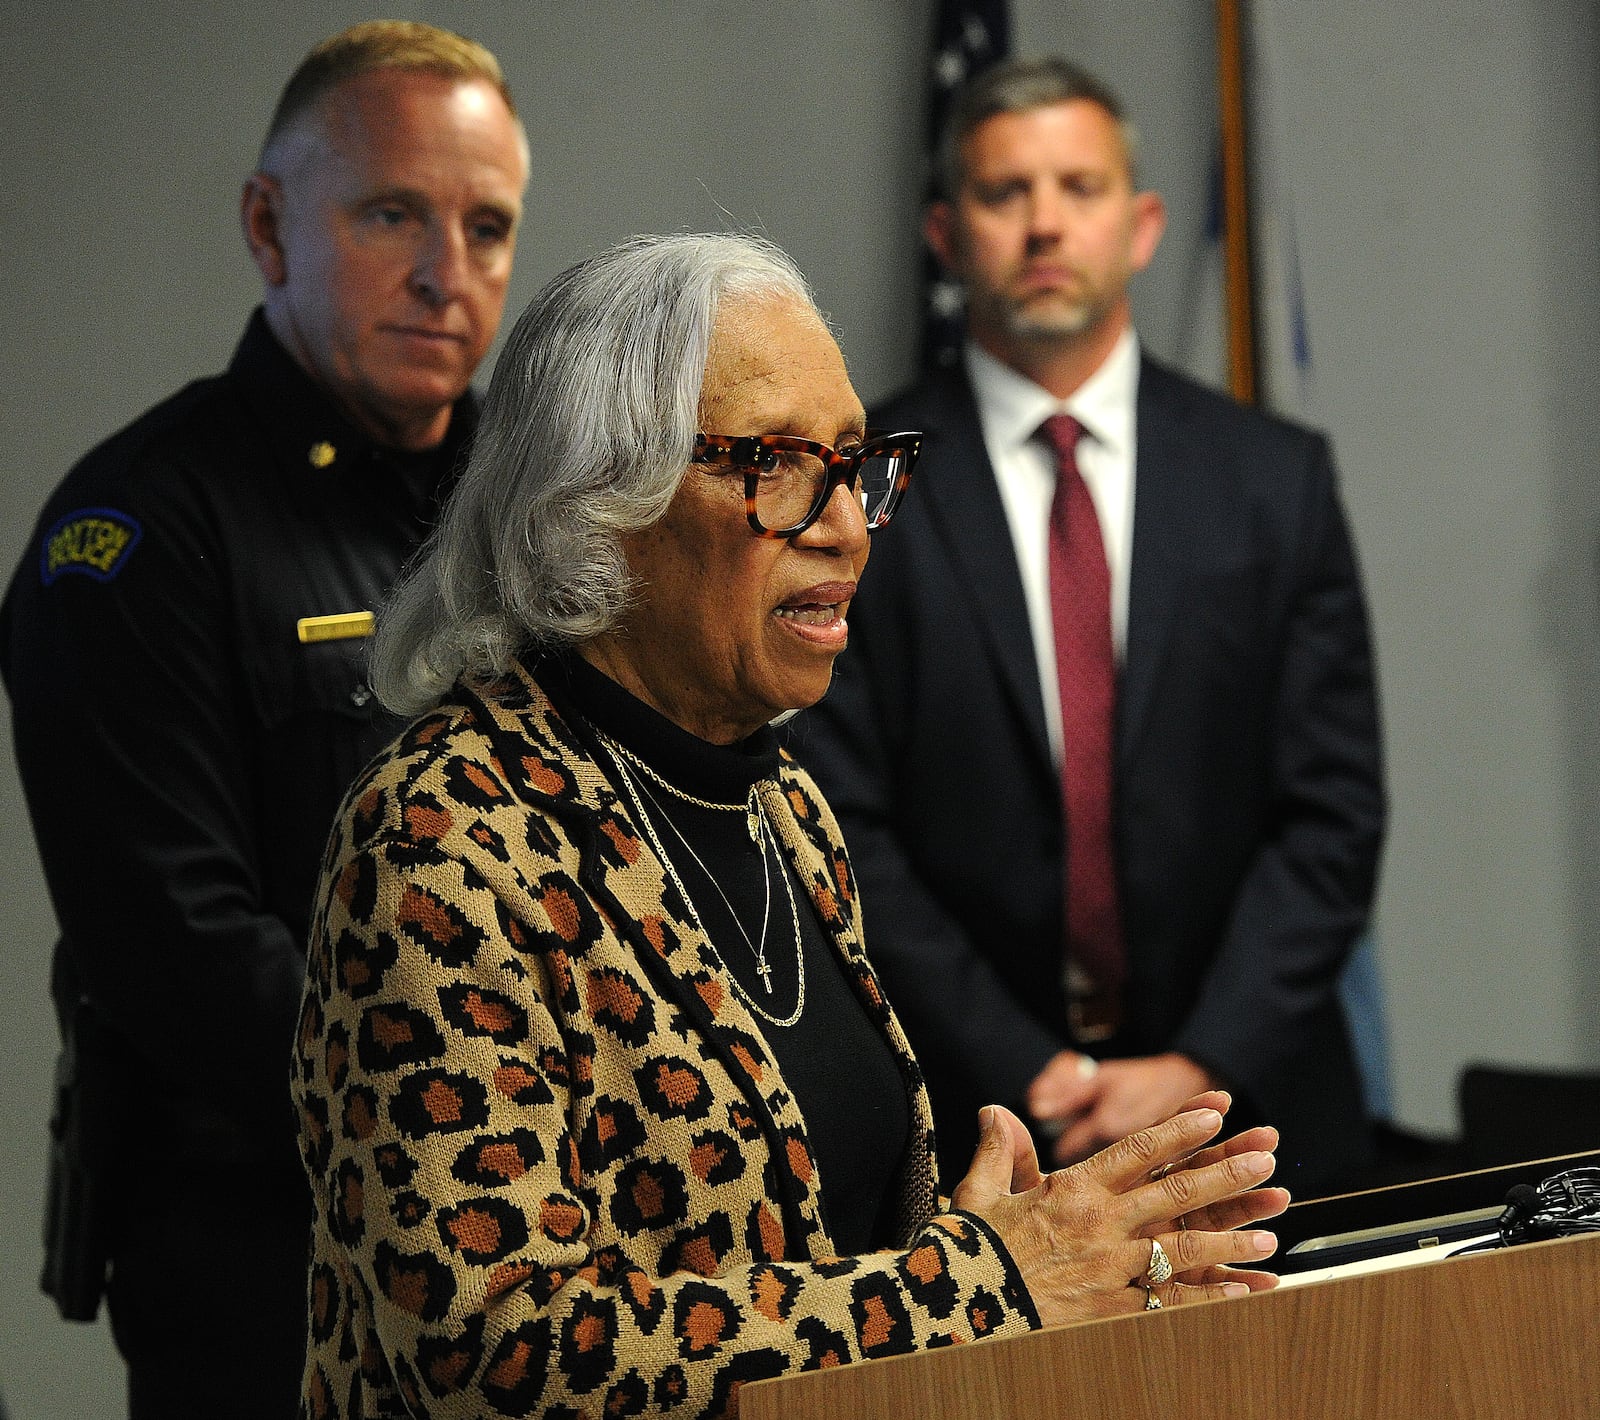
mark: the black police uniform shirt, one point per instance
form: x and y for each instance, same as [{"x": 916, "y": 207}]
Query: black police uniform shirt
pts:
[{"x": 184, "y": 648}]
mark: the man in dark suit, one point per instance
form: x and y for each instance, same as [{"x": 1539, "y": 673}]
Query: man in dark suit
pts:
[{"x": 1105, "y": 743}]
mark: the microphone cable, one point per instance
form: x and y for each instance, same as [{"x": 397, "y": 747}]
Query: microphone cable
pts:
[{"x": 1562, "y": 1206}]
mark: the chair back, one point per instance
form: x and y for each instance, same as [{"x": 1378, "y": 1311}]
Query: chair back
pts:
[{"x": 1509, "y": 1114}]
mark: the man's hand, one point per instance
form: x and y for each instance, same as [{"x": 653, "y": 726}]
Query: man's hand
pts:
[{"x": 1089, "y": 1106}]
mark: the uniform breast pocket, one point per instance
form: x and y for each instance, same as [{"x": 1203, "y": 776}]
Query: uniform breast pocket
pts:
[
  {"x": 295, "y": 681},
  {"x": 318, "y": 724}
]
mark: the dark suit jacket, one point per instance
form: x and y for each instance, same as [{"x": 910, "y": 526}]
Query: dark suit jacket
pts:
[{"x": 1249, "y": 801}]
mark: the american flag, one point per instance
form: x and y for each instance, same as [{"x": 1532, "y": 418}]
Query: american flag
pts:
[{"x": 968, "y": 36}]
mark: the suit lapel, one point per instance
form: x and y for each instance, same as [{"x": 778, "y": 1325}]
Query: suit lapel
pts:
[
  {"x": 964, "y": 503},
  {"x": 1163, "y": 524}
]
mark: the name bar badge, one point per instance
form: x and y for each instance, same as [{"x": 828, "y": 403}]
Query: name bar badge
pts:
[{"x": 344, "y": 626}]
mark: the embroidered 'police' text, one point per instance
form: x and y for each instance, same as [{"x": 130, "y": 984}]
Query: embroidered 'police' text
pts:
[{"x": 93, "y": 541}]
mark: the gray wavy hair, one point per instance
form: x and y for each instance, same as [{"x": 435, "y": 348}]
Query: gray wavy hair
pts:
[{"x": 588, "y": 426}]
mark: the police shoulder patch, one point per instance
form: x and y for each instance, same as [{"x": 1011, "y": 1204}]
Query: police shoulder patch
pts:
[{"x": 93, "y": 541}]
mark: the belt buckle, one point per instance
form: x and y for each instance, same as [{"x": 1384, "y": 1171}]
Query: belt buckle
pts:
[{"x": 1095, "y": 1017}]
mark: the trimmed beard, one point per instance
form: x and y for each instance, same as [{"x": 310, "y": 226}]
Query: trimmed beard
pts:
[{"x": 1051, "y": 323}]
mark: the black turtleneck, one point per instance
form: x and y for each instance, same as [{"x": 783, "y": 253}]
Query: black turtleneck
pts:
[{"x": 840, "y": 1069}]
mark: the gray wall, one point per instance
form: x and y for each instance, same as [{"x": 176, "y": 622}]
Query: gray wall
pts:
[{"x": 1443, "y": 162}]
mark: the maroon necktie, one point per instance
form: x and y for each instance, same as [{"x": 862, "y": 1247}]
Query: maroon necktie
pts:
[{"x": 1080, "y": 610}]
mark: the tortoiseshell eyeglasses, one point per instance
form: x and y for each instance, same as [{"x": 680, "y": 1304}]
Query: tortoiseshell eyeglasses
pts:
[{"x": 788, "y": 481}]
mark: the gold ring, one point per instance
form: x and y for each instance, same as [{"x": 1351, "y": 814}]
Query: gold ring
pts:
[
  {"x": 1156, "y": 1175},
  {"x": 1160, "y": 1268},
  {"x": 1152, "y": 1303}
]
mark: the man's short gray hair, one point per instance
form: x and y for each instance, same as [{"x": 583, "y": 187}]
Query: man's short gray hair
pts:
[
  {"x": 1015, "y": 86},
  {"x": 588, "y": 427}
]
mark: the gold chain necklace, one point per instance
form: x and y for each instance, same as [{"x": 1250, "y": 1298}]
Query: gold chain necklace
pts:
[
  {"x": 750, "y": 808},
  {"x": 764, "y": 834}
]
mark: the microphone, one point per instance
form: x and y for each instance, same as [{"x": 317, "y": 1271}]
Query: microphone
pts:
[
  {"x": 1562, "y": 1205},
  {"x": 1522, "y": 1203}
]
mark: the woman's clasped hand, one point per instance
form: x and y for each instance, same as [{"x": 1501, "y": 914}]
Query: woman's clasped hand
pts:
[{"x": 1082, "y": 1236}]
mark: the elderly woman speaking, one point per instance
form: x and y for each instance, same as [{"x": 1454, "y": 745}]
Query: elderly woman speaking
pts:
[{"x": 601, "y": 1102}]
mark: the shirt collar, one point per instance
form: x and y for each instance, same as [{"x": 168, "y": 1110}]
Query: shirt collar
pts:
[
  {"x": 1014, "y": 407},
  {"x": 308, "y": 431}
]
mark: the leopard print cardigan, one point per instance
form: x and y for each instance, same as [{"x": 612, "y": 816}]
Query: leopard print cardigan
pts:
[{"x": 555, "y": 1169}]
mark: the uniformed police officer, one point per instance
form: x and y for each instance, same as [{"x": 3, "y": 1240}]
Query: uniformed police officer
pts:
[{"x": 184, "y": 648}]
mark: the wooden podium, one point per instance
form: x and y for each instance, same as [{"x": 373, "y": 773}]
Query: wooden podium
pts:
[{"x": 1512, "y": 1334}]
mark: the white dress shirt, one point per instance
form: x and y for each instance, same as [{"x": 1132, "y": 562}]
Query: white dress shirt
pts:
[{"x": 1011, "y": 408}]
